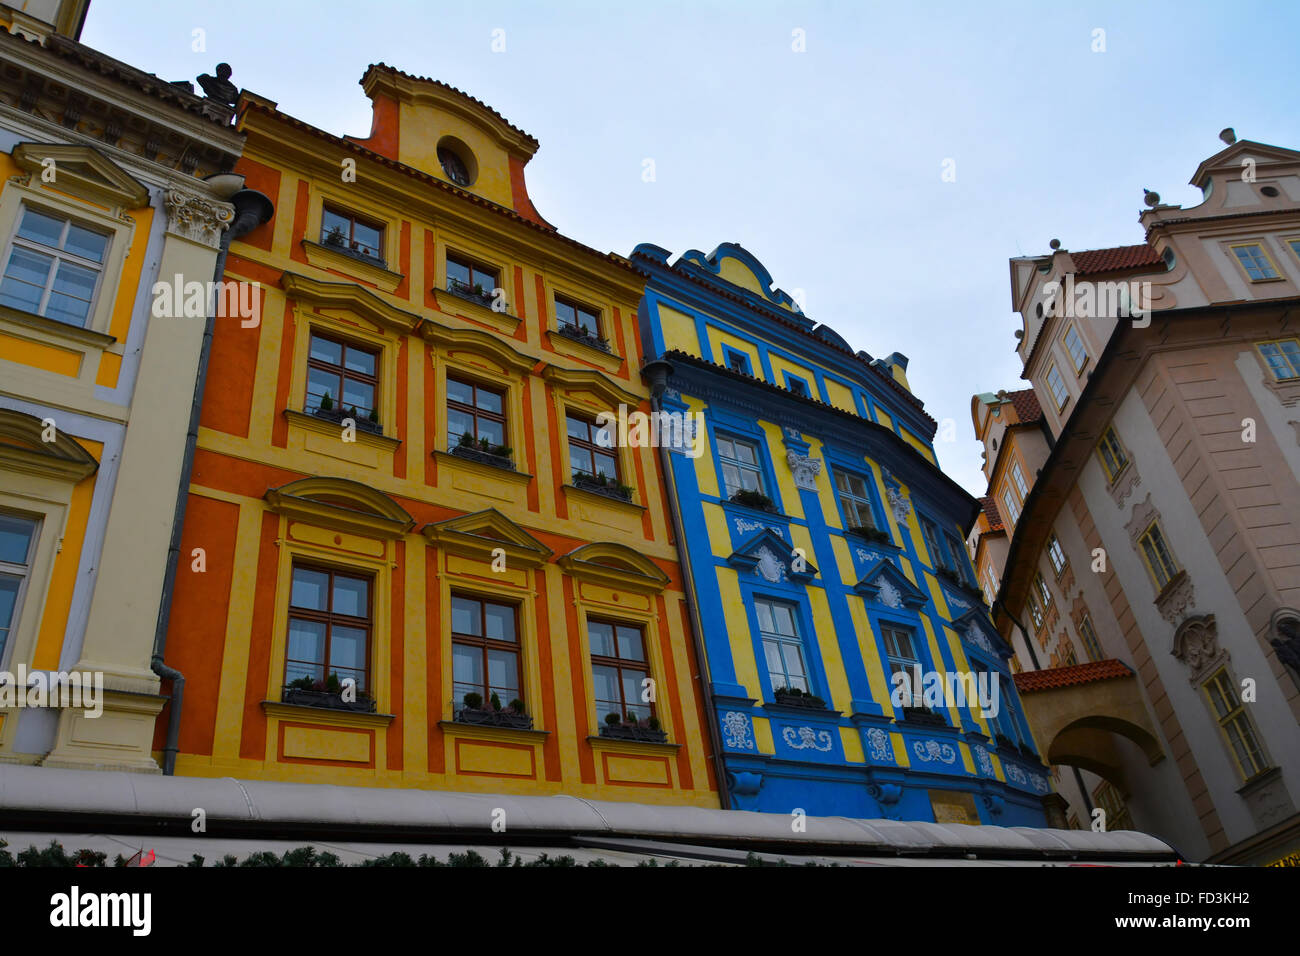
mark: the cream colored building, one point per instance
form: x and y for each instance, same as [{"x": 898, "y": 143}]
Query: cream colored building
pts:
[
  {"x": 103, "y": 169},
  {"x": 1148, "y": 570}
]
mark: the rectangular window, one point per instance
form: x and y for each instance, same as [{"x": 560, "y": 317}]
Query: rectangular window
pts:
[
  {"x": 329, "y": 626},
  {"x": 619, "y": 669},
  {"x": 1255, "y": 261},
  {"x": 1068, "y": 657},
  {"x": 855, "y": 500},
  {"x": 484, "y": 650},
  {"x": 1044, "y": 595},
  {"x": 797, "y": 386},
  {"x": 939, "y": 557},
  {"x": 590, "y": 449},
  {"x": 1089, "y": 636},
  {"x": 1055, "y": 554},
  {"x": 1236, "y": 725},
  {"x": 581, "y": 318},
  {"x": 474, "y": 410},
  {"x": 900, "y": 653},
  {"x": 1283, "y": 358},
  {"x": 1111, "y": 454},
  {"x": 1013, "y": 509},
  {"x": 1295, "y": 246},
  {"x": 54, "y": 268},
  {"x": 1018, "y": 477},
  {"x": 740, "y": 465},
  {"x": 958, "y": 557},
  {"x": 1006, "y": 721},
  {"x": 990, "y": 584},
  {"x": 1057, "y": 384},
  {"x": 346, "y": 373},
  {"x": 17, "y": 543},
  {"x": 736, "y": 361},
  {"x": 1159, "y": 560},
  {"x": 348, "y": 233},
  {"x": 1074, "y": 344},
  {"x": 469, "y": 278},
  {"x": 782, "y": 646},
  {"x": 1035, "y": 613}
]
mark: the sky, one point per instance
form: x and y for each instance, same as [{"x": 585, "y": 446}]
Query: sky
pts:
[{"x": 816, "y": 135}]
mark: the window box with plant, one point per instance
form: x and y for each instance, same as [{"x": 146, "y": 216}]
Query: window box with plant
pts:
[
  {"x": 333, "y": 413},
  {"x": 795, "y": 697},
  {"x": 629, "y": 727},
  {"x": 492, "y": 714},
  {"x": 352, "y": 237},
  {"x": 328, "y": 693},
  {"x": 754, "y": 499},
  {"x": 484, "y": 451},
  {"x": 873, "y": 535},
  {"x": 602, "y": 484},
  {"x": 473, "y": 293},
  {"x": 923, "y": 715},
  {"x": 579, "y": 334}
]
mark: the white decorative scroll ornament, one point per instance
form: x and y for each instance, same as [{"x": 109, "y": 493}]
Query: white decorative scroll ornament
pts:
[
  {"x": 879, "y": 745},
  {"x": 805, "y": 470},
  {"x": 899, "y": 504},
  {"x": 200, "y": 220},
  {"x": 933, "y": 750},
  {"x": 865, "y": 555},
  {"x": 1039, "y": 782},
  {"x": 888, "y": 594},
  {"x": 687, "y": 443},
  {"x": 735, "y": 731},
  {"x": 976, "y": 636},
  {"x": 744, "y": 524},
  {"x": 983, "y": 761},
  {"x": 769, "y": 567},
  {"x": 957, "y": 602},
  {"x": 805, "y": 738},
  {"x": 1015, "y": 773}
]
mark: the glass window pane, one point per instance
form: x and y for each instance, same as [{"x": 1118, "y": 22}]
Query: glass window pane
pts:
[
  {"x": 564, "y": 313},
  {"x": 495, "y": 432},
  {"x": 361, "y": 361},
  {"x": 629, "y": 644},
  {"x": 64, "y": 308},
  {"x": 503, "y": 674},
  {"x": 460, "y": 392},
  {"x": 82, "y": 242},
  {"x": 467, "y": 666},
  {"x": 347, "y": 648},
  {"x": 306, "y": 641},
  {"x": 578, "y": 428},
  {"x": 293, "y": 670},
  {"x": 458, "y": 423},
  {"x": 601, "y": 637},
  {"x": 632, "y": 695},
  {"x": 750, "y": 480},
  {"x": 367, "y": 239},
  {"x": 606, "y": 465},
  {"x": 784, "y": 619},
  {"x": 40, "y": 227},
  {"x": 28, "y": 266},
  {"x": 793, "y": 658},
  {"x": 359, "y": 395},
  {"x": 465, "y": 617},
  {"x": 745, "y": 453},
  {"x": 772, "y": 654},
  {"x": 500, "y": 621},
  {"x": 309, "y": 589},
  {"x": 458, "y": 272},
  {"x": 580, "y": 459},
  {"x": 23, "y": 296},
  {"x": 9, "y": 585},
  {"x": 764, "y": 611},
  {"x": 76, "y": 281},
  {"x": 605, "y": 686},
  {"x": 319, "y": 384},
  {"x": 15, "y": 538},
  {"x": 351, "y": 596},
  {"x": 489, "y": 401},
  {"x": 331, "y": 221},
  {"x": 326, "y": 351}
]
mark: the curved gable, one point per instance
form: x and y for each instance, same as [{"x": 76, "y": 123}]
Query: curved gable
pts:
[
  {"x": 23, "y": 449},
  {"x": 341, "y": 503},
  {"x": 615, "y": 565}
]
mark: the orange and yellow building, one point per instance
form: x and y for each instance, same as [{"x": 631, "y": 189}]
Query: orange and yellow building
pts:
[{"x": 337, "y": 524}]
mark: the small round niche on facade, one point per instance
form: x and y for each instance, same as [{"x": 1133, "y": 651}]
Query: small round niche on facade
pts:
[{"x": 457, "y": 161}]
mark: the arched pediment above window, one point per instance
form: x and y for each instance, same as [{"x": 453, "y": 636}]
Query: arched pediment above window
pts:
[
  {"x": 352, "y": 297},
  {"x": 485, "y": 534},
  {"x": 573, "y": 382},
  {"x": 23, "y": 449},
  {"x": 342, "y": 504},
  {"x": 616, "y": 566},
  {"x": 472, "y": 340}
]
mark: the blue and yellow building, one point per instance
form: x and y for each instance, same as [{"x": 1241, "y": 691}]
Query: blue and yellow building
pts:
[{"x": 823, "y": 550}]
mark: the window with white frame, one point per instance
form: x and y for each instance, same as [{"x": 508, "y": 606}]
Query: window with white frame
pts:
[
  {"x": 1074, "y": 344},
  {"x": 900, "y": 652},
  {"x": 1018, "y": 477},
  {"x": 741, "y": 470},
  {"x": 855, "y": 500},
  {"x": 17, "y": 543},
  {"x": 1013, "y": 508},
  {"x": 1055, "y": 554},
  {"x": 54, "y": 267},
  {"x": 782, "y": 646},
  {"x": 1060, "y": 394}
]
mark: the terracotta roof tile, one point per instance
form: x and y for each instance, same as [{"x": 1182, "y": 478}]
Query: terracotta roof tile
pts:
[
  {"x": 1055, "y": 677},
  {"x": 1026, "y": 405},
  {"x": 1115, "y": 259},
  {"x": 991, "y": 513}
]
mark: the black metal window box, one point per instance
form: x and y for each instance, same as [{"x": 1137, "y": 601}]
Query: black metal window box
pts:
[
  {"x": 484, "y": 297},
  {"x": 606, "y": 487},
  {"x": 364, "y": 704},
  {"x": 493, "y": 718},
  {"x": 923, "y": 715},
  {"x": 473, "y": 453},
  {"x": 807, "y": 701},
  {"x": 579, "y": 334},
  {"x": 628, "y": 732},
  {"x": 337, "y": 414}
]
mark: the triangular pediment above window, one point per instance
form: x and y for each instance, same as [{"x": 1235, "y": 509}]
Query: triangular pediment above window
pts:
[
  {"x": 342, "y": 504},
  {"x": 480, "y": 534},
  {"x": 887, "y": 585},
  {"x": 24, "y": 450},
  {"x": 82, "y": 171},
  {"x": 771, "y": 558},
  {"x": 976, "y": 630},
  {"x": 615, "y": 566}
]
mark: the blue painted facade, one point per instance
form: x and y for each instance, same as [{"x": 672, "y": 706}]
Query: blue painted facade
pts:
[{"x": 791, "y": 592}]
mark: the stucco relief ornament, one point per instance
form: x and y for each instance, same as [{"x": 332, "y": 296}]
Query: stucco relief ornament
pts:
[
  {"x": 879, "y": 745},
  {"x": 865, "y": 555},
  {"x": 982, "y": 760},
  {"x": 957, "y": 602},
  {"x": 1039, "y": 782},
  {"x": 1176, "y": 600},
  {"x": 197, "y": 219},
  {"x": 1196, "y": 644},
  {"x": 735, "y": 731},
  {"x": 1014, "y": 773},
  {"x": 899, "y": 504},
  {"x": 805, "y": 738},
  {"x": 804, "y": 469},
  {"x": 976, "y": 636},
  {"x": 933, "y": 750},
  {"x": 769, "y": 567},
  {"x": 889, "y": 595},
  {"x": 744, "y": 524}
]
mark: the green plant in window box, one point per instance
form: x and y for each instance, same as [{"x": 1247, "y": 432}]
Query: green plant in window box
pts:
[
  {"x": 601, "y": 483},
  {"x": 335, "y": 237},
  {"x": 326, "y": 403},
  {"x": 753, "y": 499},
  {"x": 874, "y": 535},
  {"x": 613, "y": 719}
]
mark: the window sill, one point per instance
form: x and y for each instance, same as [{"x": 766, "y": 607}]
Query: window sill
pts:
[
  {"x": 475, "y": 311},
  {"x": 576, "y": 348},
  {"x": 89, "y": 338},
  {"x": 326, "y": 427},
  {"x": 630, "y": 746},
  {"x": 473, "y": 466},
  {"x": 326, "y": 257},
  {"x": 627, "y": 507},
  {"x": 455, "y": 728},
  {"x": 326, "y": 715},
  {"x": 1287, "y": 391}
]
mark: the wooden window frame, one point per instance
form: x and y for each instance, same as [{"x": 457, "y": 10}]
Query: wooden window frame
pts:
[
  {"x": 1054, "y": 550},
  {"x": 330, "y": 208},
  {"x": 474, "y": 411},
  {"x": 621, "y": 664},
  {"x": 907, "y": 664},
  {"x": 1061, "y": 400},
  {"x": 342, "y": 371},
  {"x": 589, "y": 444},
  {"x": 1088, "y": 634},
  {"x": 475, "y": 267},
  {"x": 756, "y": 467},
  {"x": 1259, "y": 347},
  {"x": 1079, "y": 360},
  {"x": 858, "y": 502},
  {"x": 329, "y": 618},
  {"x": 486, "y": 644},
  {"x": 579, "y": 308},
  {"x": 797, "y": 641}
]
